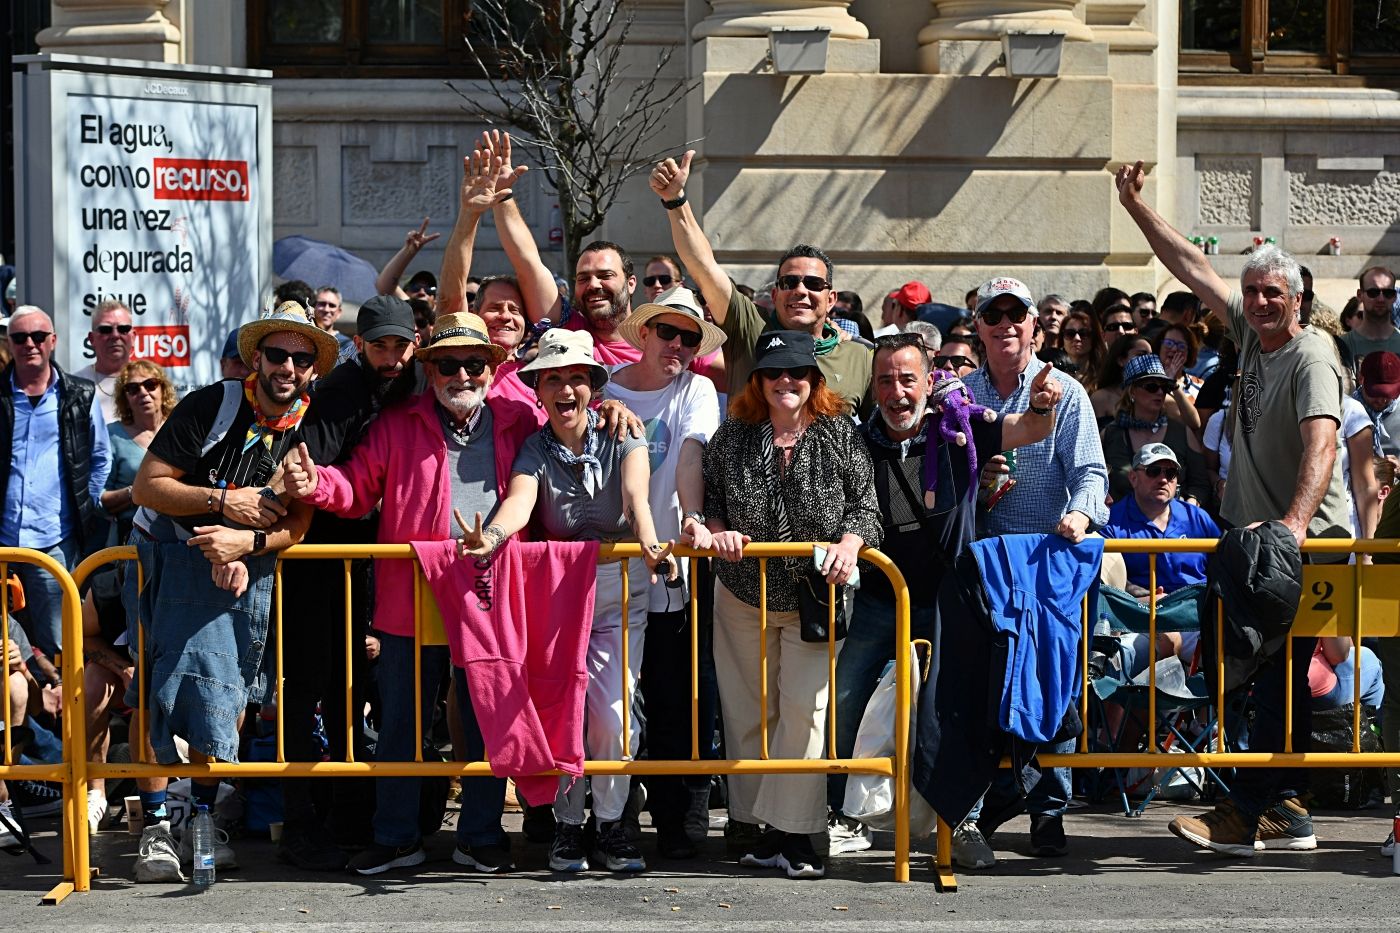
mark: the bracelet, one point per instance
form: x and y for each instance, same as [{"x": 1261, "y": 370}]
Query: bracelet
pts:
[
  {"x": 209, "y": 503},
  {"x": 496, "y": 533},
  {"x": 508, "y": 195},
  {"x": 223, "y": 497},
  {"x": 1043, "y": 412},
  {"x": 672, "y": 205}
]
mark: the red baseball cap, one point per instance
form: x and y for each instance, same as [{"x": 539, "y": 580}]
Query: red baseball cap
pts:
[
  {"x": 1380, "y": 374},
  {"x": 913, "y": 294}
]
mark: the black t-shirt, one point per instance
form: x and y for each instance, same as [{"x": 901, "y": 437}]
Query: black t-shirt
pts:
[
  {"x": 922, "y": 549},
  {"x": 1212, "y": 394}
]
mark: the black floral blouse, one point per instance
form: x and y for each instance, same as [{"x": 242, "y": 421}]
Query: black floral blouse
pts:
[{"x": 828, "y": 487}]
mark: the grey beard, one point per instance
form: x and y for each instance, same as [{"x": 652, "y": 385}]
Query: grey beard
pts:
[{"x": 459, "y": 406}]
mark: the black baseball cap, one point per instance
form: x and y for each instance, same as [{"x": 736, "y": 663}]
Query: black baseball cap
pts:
[
  {"x": 784, "y": 349},
  {"x": 385, "y": 316},
  {"x": 421, "y": 276}
]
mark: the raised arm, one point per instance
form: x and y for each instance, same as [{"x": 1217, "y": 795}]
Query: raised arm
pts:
[
  {"x": 536, "y": 281},
  {"x": 668, "y": 180},
  {"x": 1030, "y": 427},
  {"x": 413, "y": 241},
  {"x": 511, "y": 515},
  {"x": 1182, "y": 259},
  {"x": 480, "y": 192}
]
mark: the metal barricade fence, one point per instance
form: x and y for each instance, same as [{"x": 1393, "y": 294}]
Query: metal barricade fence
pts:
[{"x": 78, "y": 771}]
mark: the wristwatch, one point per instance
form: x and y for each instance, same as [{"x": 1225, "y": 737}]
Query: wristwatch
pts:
[
  {"x": 697, "y": 515},
  {"x": 259, "y": 541}
]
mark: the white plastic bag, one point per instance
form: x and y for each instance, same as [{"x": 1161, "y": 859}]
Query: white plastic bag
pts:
[{"x": 870, "y": 797}]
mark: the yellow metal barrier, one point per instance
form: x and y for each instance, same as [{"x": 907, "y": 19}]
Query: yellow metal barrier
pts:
[{"x": 895, "y": 767}]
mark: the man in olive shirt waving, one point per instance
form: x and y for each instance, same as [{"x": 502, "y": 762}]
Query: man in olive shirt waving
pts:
[{"x": 802, "y": 298}]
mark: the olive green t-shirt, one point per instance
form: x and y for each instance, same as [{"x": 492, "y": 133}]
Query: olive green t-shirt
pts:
[
  {"x": 1360, "y": 346},
  {"x": 847, "y": 367},
  {"x": 1276, "y": 392}
]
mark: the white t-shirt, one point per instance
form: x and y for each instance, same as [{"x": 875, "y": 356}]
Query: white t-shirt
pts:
[
  {"x": 1216, "y": 440},
  {"x": 687, "y": 408},
  {"x": 1354, "y": 420},
  {"x": 106, "y": 389}
]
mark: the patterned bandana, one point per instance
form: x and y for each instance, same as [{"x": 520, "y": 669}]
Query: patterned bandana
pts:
[
  {"x": 588, "y": 460},
  {"x": 1129, "y": 423},
  {"x": 263, "y": 427}
]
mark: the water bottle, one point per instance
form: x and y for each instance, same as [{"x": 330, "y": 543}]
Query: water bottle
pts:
[{"x": 203, "y": 829}]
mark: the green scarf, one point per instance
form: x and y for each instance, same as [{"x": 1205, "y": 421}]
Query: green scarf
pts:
[{"x": 829, "y": 339}]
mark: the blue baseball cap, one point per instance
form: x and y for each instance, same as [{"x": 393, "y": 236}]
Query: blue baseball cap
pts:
[{"x": 231, "y": 346}]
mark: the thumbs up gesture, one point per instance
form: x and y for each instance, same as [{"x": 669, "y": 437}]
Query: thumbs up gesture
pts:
[{"x": 299, "y": 472}]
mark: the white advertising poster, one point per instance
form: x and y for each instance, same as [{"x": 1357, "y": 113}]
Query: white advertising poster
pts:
[{"x": 159, "y": 199}]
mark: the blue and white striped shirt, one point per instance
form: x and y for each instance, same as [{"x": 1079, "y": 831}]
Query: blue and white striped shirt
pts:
[{"x": 1063, "y": 473}]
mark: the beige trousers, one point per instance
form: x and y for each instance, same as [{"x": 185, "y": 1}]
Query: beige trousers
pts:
[{"x": 798, "y": 691}]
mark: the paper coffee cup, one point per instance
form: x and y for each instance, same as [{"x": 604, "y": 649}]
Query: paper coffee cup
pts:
[
  {"x": 135, "y": 818},
  {"x": 274, "y": 831}
]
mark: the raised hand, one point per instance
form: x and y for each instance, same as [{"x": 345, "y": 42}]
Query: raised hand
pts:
[
  {"x": 479, "y": 173},
  {"x": 668, "y": 178},
  {"x": 415, "y": 240},
  {"x": 1130, "y": 180},
  {"x": 498, "y": 144},
  {"x": 1173, "y": 361},
  {"x": 1045, "y": 391},
  {"x": 299, "y": 472},
  {"x": 475, "y": 540}
]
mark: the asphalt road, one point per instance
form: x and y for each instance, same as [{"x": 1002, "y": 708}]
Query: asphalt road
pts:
[{"x": 1121, "y": 874}]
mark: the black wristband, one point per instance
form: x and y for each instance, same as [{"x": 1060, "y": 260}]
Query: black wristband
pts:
[
  {"x": 672, "y": 205},
  {"x": 259, "y": 541},
  {"x": 508, "y": 195},
  {"x": 1043, "y": 412}
]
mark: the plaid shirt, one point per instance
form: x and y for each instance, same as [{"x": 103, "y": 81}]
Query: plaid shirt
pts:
[{"x": 1063, "y": 473}]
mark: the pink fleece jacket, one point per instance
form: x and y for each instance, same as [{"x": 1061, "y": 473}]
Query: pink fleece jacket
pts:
[
  {"x": 403, "y": 462},
  {"x": 519, "y": 626}
]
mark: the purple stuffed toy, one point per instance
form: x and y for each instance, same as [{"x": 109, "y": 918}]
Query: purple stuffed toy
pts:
[{"x": 955, "y": 408}]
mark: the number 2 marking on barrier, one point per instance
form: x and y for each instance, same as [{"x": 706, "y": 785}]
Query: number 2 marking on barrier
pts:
[
  {"x": 1323, "y": 590},
  {"x": 1328, "y": 606}
]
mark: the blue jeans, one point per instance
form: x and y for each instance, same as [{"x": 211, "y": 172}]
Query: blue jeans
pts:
[
  {"x": 42, "y": 616},
  {"x": 1372, "y": 684},
  {"x": 397, "y": 798},
  {"x": 869, "y": 646}
]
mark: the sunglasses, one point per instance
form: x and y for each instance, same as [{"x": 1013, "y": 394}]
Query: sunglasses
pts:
[
  {"x": 1155, "y": 471},
  {"x": 1152, "y": 386},
  {"x": 448, "y": 365},
  {"x": 277, "y": 356},
  {"x": 813, "y": 283},
  {"x": 662, "y": 280},
  {"x": 1389, "y": 293},
  {"x": 150, "y": 386},
  {"x": 774, "y": 373},
  {"x": 424, "y": 289},
  {"x": 1073, "y": 333},
  {"x": 327, "y": 304},
  {"x": 951, "y": 362},
  {"x": 25, "y": 336},
  {"x": 1121, "y": 326},
  {"x": 107, "y": 330},
  {"x": 993, "y": 316},
  {"x": 669, "y": 332}
]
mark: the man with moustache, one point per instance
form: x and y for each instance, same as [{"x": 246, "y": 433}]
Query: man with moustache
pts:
[
  {"x": 112, "y": 343},
  {"x": 921, "y": 540},
  {"x": 451, "y": 448}
]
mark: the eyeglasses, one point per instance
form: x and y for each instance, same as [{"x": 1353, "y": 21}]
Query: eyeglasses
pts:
[
  {"x": 669, "y": 332},
  {"x": 952, "y": 362},
  {"x": 662, "y": 280},
  {"x": 24, "y": 336},
  {"x": 1152, "y": 386},
  {"x": 1389, "y": 293},
  {"x": 277, "y": 356},
  {"x": 107, "y": 330},
  {"x": 1074, "y": 333},
  {"x": 813, "y": 283},
  {"x": 993, "y": 316},
  {"x": 1121, "y": 326},
  {"x": 1170, "y": 472},
  {"x": 150, "y": 386},
  {"x": 1173, "y": 344},
  {"x": 425, "y": 289},
  {"x": 774, "y": 373},
  {"x": 328, "y": 304},
  {"x": 448, "y": 365}
]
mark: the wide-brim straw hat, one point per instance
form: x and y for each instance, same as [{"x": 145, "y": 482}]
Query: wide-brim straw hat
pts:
[
  {"x": 290, "y": 317},
  {"x": 560, "y": 347},
  {"x": 461, "y": 329},
  {"x": 678, "y": 300}
]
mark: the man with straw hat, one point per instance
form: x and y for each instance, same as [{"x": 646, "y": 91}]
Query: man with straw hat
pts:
[{"x": 207, "y": 533}]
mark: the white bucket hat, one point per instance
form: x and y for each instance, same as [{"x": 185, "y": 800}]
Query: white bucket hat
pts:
[
  {"x": 560, "y": 347},
  {"x": 678, "y": 300}
]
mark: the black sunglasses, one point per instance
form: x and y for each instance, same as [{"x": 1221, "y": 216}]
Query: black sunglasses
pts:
[
  {"x": 813, "y": 283},
  {"x": 24, "y": 336},
  {"x": 425, "y": 289},
  {"x": 109, "y": 329},
  {"x": 955, "y": 362},
  {"x": 1377, "y": 292},
  {"x": 1071, "y": 333},
  {"x": 151, "y": 386},
  {"x": 1121, "y": 326},
  {"x": 1153, "y": 386},
  {"x": 662, "y": 280},
  {"x": 774, "y": 373},
  {"x": 448, "y": 365},
  {"x": 277, "y": 356},
  {"x": 1155, "y": 470},
  {"x": 669, "y": 332},
  {"x": 993, "y": 316}
]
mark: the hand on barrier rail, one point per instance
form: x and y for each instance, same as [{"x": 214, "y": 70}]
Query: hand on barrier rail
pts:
[
  {"x": 1073, "y": 527},
  {"x": 14, "y": 661},
  {"x": 697, "y": 535},
  {"x": 1300, "y": 530},
  {"x": 475, "y": 540},
  {"x": 248, "y": 506},
  {"x": 659, "y": 555},
  {"x": 299, "y": 472},
  {"x": 729, "y": 545},
  {"x": 222, "y": 544},
  {"x": 840, "y": 560},
  {"x": 232, "y": 577}
]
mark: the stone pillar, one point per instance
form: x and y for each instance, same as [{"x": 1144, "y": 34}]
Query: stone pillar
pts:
[
  {"x": 136, "y": 29},
  {"x": 754, "y": 18},
  {"x": 988, "y": 20}
]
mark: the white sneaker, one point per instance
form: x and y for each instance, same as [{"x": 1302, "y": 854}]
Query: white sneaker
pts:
[
  {"x": 8, "y": 840},
  {"x": 844, "y": 834},
  {"x": 1388, "y": 847},
  {"x": 224, "y": 859},
  {"x": 970, "y": 848},
  {"x": 96, "y": 810},
  {"x": 156, "y": 859}
]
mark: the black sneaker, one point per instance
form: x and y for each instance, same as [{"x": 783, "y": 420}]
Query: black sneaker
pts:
[
  {"x": 1048, "y": 835},
  {"x": 616, "y": 850},
  {"x": 310, "y": 848},
  {"x": 568, "y": 853},
  {"x": 380, "y": 858},
  {"x": 488, "y": 859},
  {"x": 36, "y": 798},
  {"x": 767, "y": 852},
  {"x": 673, "y": 842},
  {"x": 538, "y": 824},
  {"x": 798, "y": 858}
]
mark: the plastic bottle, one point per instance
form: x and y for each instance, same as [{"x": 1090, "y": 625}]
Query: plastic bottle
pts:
[
  {"x": 556, "y": 227},
  {"x": 203, "y": 829}
]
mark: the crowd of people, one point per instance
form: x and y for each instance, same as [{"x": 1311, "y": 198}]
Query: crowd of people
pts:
[{"x": 507, "y": 425}]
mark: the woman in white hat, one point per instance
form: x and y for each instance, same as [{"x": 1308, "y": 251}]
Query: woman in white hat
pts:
[{"x": 582, "y": 484}]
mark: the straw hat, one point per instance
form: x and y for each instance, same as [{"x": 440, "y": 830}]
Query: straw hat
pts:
[
  {"x": 289, "y": 318},
  {"x": 461, "y": 329},
  {"x": 679, "y": 300},
  {"x": 559, "y": 348}
]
